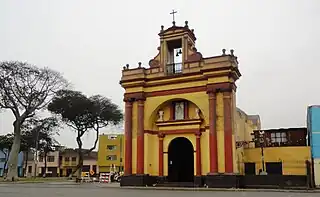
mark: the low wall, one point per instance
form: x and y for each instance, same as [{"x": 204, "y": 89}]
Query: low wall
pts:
[
  {"x": 273, "y": 181},
  {"x": 226, "y": 181}
]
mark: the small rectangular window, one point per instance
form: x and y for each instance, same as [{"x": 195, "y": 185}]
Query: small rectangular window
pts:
[
  {"x": 67, "y": 159},
  {"x": 279, "y": 137},
  {"x": 112, "y": 137},
  {"x": 74, "y": 159},
  {"x": 111, "y": 147},
  {"x": 112, "y": 157},
  {"x": 50, "y": 158}
]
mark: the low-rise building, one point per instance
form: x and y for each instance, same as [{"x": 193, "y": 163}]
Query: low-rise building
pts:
[
  {"x": 38, "y": 167},
  {"x": 111, "y": 153},
  {"x": 278, "y": 151},
  {"x": 69, "y": 161},
  {"x": 4, "y": 163}
]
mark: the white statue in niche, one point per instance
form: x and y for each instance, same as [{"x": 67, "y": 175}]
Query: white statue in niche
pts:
[
  {"x": 197, "y": 116},
  {"x": 160, "y": 113}
]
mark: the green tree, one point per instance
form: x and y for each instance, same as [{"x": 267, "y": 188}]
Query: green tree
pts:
[
  {"x": 39, "y": 135},
  {"x": 84, "y": 114},
  {"x": 24, "y": 90}
]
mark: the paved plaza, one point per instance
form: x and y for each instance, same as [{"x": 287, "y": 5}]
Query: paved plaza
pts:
[{"x": 98, "y": 190}]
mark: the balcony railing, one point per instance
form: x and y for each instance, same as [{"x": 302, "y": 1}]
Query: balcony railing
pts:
[{"x": 174, "y": 68}]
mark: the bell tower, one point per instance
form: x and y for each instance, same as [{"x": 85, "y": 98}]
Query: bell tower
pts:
[{"x": 176, "y": 43}]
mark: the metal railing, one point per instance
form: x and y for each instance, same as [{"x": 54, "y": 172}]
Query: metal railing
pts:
[{"x": 174, "y": 68}]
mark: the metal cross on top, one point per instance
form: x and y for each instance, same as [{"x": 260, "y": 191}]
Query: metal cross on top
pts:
[{"x": 173, "y": 12}]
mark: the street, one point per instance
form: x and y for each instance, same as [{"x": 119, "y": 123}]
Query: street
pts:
[{"x": 98, "y": 190}]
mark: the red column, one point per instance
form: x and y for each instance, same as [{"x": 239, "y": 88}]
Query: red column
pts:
[
  {"x": 186, "y": 110},
  {"x": 161, "y": 136},
  {"x": 140, "y": 138},
  {"x": 212, "y": 133},
  {"x": 128, "y": 139},
  {"x": 228, "y": 151},
  {"x": 198, "y": 153}
]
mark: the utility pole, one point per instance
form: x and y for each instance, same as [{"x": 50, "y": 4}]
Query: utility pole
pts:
[
  {"x": 120, "y": 154},
  {"x": 36, "y": 154}
]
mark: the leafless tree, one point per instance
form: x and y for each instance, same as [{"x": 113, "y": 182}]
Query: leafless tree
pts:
[{"x": 24, "y": 90}]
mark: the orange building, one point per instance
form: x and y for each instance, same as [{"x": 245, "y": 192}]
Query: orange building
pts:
[{"x": 180, "y": 114}]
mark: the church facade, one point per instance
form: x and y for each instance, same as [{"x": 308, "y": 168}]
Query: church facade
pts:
[{"x": 181, "y": 115}]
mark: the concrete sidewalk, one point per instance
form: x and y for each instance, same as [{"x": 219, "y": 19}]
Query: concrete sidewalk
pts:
[{"x": 223, "y": 189}]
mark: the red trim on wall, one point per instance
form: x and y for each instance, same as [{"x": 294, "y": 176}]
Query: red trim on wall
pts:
[
  {"x": 186, "y": 110},
  {"x": 177, "y": 131},
  {"x": 198, "y": 154},
  {"x": 171, "y": 111},
  {"x": 213, "y": 151},
  {"x": 140, "y": 138},
  {"x": 228, "y": 149},
  {"x": 128, "y": 139}
]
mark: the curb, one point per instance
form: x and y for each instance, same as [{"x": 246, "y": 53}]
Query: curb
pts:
[
  {"x": 37, "y": 182},
  {"x": 20, "y": 182},
  {"x": 221, "y": 189}
]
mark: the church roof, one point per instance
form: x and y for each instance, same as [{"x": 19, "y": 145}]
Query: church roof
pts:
[{"x": 254, "y": 118}]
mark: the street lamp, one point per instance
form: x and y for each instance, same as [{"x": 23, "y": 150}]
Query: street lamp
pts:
[{"x": 262, "y": 142}]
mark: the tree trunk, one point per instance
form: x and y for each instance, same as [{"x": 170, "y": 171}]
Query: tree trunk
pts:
[
  {"x": 26, "y": 163},
  {"x": 13, "y": 156},
  {"x": 45, "y": 164},
  {"x": 80, "y": 161},
  {"x": 79, "y": 172}
]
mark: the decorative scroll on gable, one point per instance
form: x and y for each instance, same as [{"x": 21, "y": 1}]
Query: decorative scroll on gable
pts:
[
  {"x": 155, "y": 62},
  {"x": 195, "y": 56}
]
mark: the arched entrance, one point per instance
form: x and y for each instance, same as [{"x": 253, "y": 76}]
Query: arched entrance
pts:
[{"x": 180, "y": 160}]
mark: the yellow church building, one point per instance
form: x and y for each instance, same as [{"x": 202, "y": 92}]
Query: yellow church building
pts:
[{"x": 181, "y": 119}]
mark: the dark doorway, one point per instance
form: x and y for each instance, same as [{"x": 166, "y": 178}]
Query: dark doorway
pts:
[
  {"x": 180, "y": 160},
  {"x": 69, "y": 171},
  {"x": 53, "y": 171},
  {"x": 250, "y": 168},
  {"x": 274, "y": 168}
]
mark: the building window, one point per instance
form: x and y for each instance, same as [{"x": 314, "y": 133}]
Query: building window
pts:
[
  {"x": 67, "y": 159},
  {"x": 112, "y": 157},
  {"x": 112, "y": 137},
  {"x": 179, "y": 110},
  {"x": 40, "y": 158},
  {"x": 74, "y": 159},
  {"x": 278, "y": 137},
  {"x": 50, "y": 158},
  {"x": 111, "y": 147},
  {"x": 2, "y": 160}
]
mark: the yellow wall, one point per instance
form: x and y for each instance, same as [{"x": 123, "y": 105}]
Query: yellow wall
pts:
[
  {"x": 103, "y": 152},
  {"x": 243, "y": 127},
  {"x": 153, "y": 104},
  {"x": 317, "y": 172},
  {"x": 293, "y": 158}
]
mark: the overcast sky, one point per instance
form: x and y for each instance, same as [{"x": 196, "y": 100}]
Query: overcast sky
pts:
[{"x": 89, "y": 41}]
